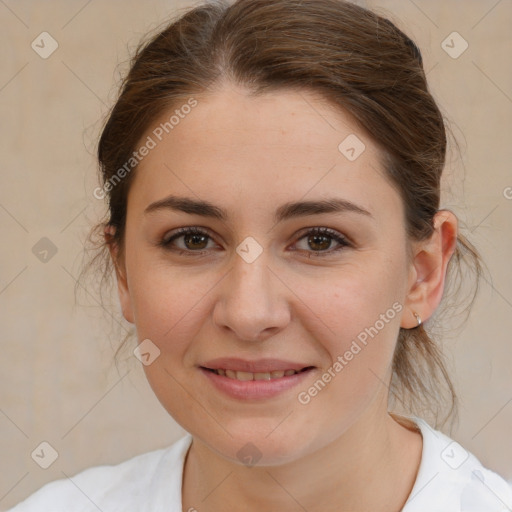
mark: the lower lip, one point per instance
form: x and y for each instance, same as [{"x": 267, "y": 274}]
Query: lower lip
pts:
[{"x": 255, "y": 389}]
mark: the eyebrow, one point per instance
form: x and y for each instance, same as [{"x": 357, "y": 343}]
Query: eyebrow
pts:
[{"x": 286, "y": 211}]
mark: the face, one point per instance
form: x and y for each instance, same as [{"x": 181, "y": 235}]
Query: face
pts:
[{"x": 259, "y": 286}]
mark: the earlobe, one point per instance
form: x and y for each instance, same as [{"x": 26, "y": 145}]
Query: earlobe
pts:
[
  {"x": 120, "y": 270},
  {"x": 428, "y": 272}
]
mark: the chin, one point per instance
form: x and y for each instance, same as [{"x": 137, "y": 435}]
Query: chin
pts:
[{"x": 254, "y": 443}]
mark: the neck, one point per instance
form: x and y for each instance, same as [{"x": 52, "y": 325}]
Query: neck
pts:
[{"x": 375, "y": 454}]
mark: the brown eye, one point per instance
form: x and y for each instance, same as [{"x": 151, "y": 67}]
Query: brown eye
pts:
[
  {"x": 194, "y": 240},
  {"x": 319, "y": 241}
]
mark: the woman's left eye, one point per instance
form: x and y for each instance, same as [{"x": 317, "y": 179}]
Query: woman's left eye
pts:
[
  {"x": 195, "y": 240},
  {"x": 320, "y": 239}
]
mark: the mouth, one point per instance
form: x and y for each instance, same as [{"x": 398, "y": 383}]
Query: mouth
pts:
[
  {"x": 258, "y": 380},
  {"x": 246, "y": 376}
]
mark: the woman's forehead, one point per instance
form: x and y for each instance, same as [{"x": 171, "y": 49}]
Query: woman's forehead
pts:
[
  {"x": 293, "y": 117},
  {"x": 266, "y": 144}
]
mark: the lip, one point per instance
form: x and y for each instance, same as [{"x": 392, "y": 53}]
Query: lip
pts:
[
  {"x": 258, "y": 366},
  {"x": 254, "y": 389}
]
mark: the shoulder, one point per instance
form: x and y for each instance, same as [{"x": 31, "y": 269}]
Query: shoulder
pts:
[
  {"x": 452, "y": 479},
  {"x": 135, "y": 484}
]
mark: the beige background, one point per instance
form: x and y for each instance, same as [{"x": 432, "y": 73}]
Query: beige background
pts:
[{"x": 58, "y": 381}]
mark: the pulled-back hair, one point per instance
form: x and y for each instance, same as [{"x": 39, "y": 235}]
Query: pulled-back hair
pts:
[{"x": 358, "y": 61}]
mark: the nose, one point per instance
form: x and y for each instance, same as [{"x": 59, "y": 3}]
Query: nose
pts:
[{"x": 252, "y": 301}]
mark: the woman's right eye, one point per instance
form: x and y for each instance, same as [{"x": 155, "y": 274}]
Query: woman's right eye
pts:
[{"x": 194, "y": 241}]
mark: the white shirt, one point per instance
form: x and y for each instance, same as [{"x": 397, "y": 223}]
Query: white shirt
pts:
[{"x": 449, "y": 480}]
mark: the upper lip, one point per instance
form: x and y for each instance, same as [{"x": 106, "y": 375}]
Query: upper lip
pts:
[{"x": 257, "y": 366}]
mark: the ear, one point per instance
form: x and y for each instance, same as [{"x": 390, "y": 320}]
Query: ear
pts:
[
  {"x": 428, "y": 269},
  {"x": 122, "y": 283}
]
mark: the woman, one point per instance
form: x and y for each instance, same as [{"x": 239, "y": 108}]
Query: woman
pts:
[{"x": 272, "y": 170}]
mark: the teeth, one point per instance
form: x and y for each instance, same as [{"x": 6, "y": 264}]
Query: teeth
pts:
[
  {"x": 244, "y": 376},
  {"x": 276, "y": 374},
  {"x": 262, "y": 376}
]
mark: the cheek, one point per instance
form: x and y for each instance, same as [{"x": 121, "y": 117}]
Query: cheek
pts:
[
  {"x": 354, "y": 301},
  {"x": 361, "y": 309},
  {"x": 166, "y": 302},
  {"x": 361, "y": 312}
]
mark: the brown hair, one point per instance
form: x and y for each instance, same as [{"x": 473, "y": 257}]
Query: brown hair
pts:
[{"x": 359, "y": 62}]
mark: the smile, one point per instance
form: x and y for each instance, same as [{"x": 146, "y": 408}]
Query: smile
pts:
[
  {"x": 245, "y": 376},
  {"x": 255, "y": 381}
]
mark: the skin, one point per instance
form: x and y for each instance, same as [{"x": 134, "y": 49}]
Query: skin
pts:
[{"x": 249, "y": 155}]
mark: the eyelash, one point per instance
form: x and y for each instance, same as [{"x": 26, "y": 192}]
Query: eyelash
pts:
[{"x": 330, "y": 233}]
